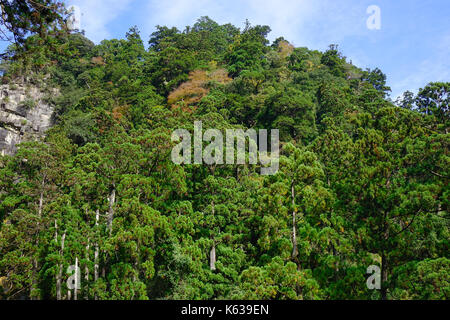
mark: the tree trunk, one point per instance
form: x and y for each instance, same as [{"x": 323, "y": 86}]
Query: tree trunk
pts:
[
  {"x": 35, "y": 260},
  {"x": 34, "y": 283},
  {"x": 294, "y": 225},
  {"x": 384, "y": 276},
  {"x": 41, "y": 201},
  {"x": 75, "y": 290},
  {"x": 86, "y": 277},
  {"x": 384, "y": 259},
  {"x": 112, "y": 200},
  {"x": 86, "y": 270},
  {"x": 58, "y": 281},
  {"x": 212, "y": 258},
  {"x": 212, "y": 253},
  {"x": 60, "y": 267},
  {"x": 97, "y": 215},
  {"x": 110, "y": 218}
]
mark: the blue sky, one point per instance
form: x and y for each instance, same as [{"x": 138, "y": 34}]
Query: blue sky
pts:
[{"x": 412, "y": 47}]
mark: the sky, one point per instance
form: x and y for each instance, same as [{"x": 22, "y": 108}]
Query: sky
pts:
[{"x": 411, "y": 46}]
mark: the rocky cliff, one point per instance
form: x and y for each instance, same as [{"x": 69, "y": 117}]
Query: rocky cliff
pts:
[{"x": 24, "y": 115}]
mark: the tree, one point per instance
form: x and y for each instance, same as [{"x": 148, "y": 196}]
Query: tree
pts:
[
  {"x": 333, "y": 59},
  {"x": 383, "y": 191},
  {"x": 407, "y": 101},
  {"x": 377, "y": 79},
  {"x": 42, "y": 17},
  {"x": 434, "y": 100}
]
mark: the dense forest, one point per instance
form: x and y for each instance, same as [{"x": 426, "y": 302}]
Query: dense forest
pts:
[{"x": 362, "y": 180}]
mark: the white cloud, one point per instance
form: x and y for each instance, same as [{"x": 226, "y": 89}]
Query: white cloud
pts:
[
  {"x": 178, "y": 13},
  {"x": 310, "y": 23},
  {"x": 286, "y": 17},
  {"x": 96, "y": 14}
]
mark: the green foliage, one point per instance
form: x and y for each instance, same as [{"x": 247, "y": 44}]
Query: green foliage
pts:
[
  {"x": 28, "y": 104},
  {"x": 361, "y": 182},
  {"x": 423, "y": 280},
  {"x": 20, "y": 18}
]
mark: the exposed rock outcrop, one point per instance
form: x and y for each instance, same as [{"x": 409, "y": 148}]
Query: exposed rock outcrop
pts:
[{"x": 24, "y": 115}]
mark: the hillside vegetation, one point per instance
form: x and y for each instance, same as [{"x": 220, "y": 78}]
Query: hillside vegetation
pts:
[{"x": 362, "y": 181}]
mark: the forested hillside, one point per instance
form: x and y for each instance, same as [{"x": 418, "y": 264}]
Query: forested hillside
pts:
[{"x": 362, "y": 180}]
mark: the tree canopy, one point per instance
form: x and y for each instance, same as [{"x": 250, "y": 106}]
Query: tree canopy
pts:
[{"x": 361, "y": 182}]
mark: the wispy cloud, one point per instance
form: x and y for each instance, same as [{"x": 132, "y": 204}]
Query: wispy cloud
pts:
[
  {"x": 286, "y": 17},
  {"x": 293, "y": 19},
  {"x": 97, "y": 14}
]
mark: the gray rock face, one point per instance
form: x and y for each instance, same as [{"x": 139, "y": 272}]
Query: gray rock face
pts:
[{"x": 24, "y": 116}]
